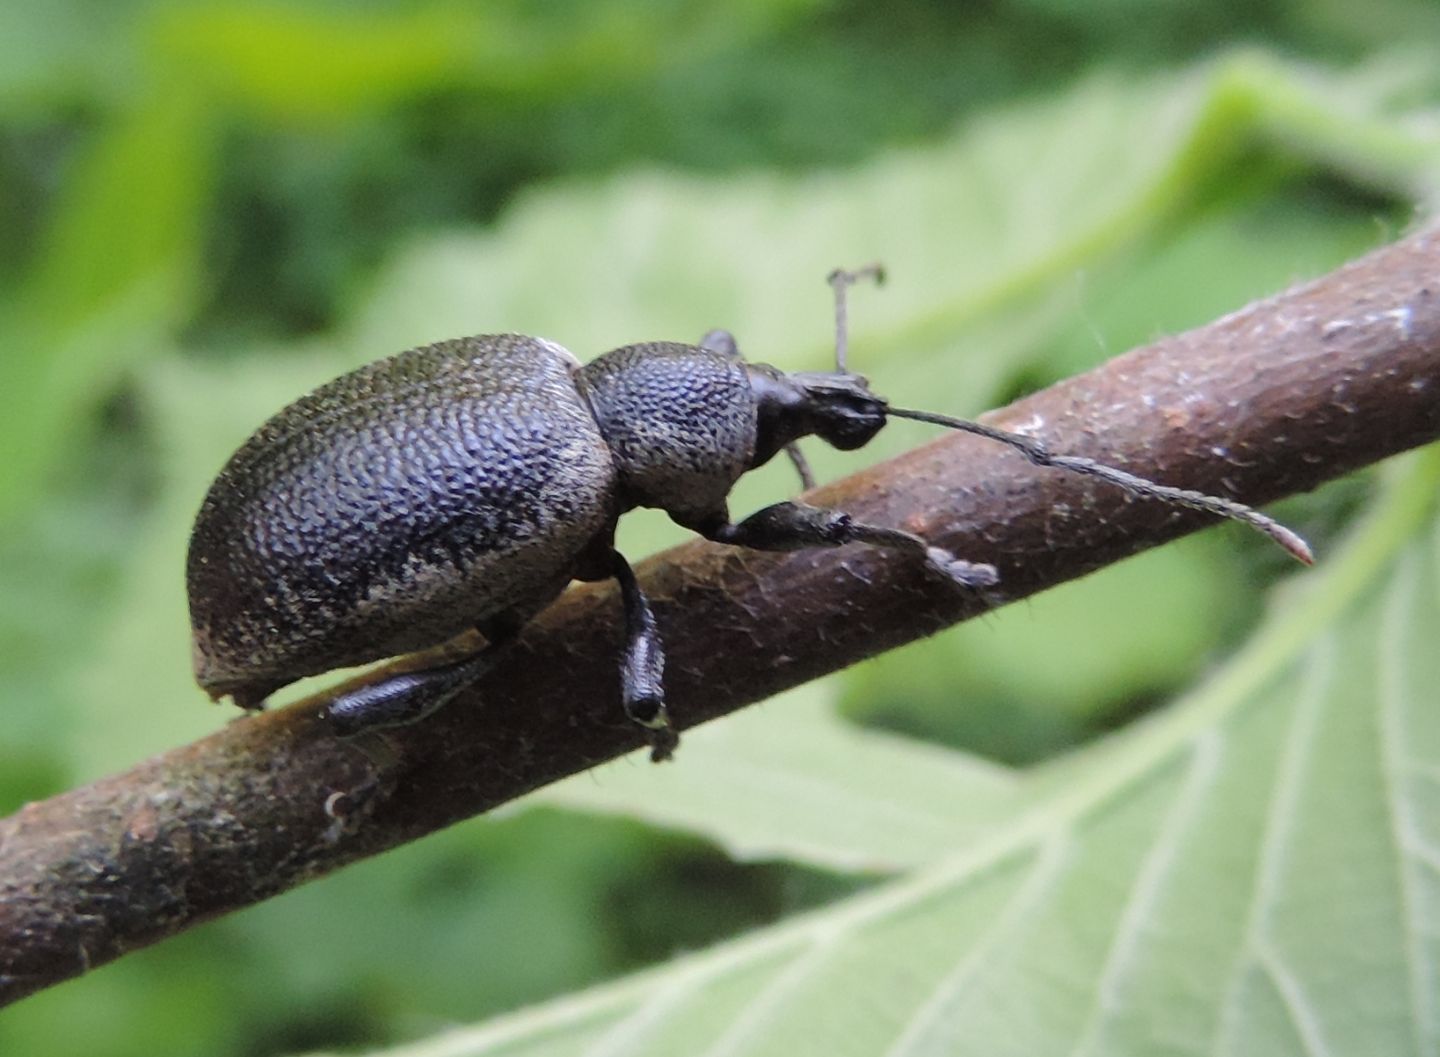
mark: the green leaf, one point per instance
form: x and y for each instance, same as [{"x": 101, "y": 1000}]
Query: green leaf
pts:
[
  {"x": 61, "y": 52},
  {"x": 115, "y": 274},
  {"x": 318, "y": 64},
  {"x": 308, "y": 63},
  {"x": 1255, "y": 870},
  {"x": 139, "y": 668},
  {"x": 791, "y": 780}
]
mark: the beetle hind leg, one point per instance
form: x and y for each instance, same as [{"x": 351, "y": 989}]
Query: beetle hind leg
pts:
[{"x": 409, "y": 697}]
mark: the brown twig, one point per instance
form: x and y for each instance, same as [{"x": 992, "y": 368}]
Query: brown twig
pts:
[{"x": 1269, "y": 401}]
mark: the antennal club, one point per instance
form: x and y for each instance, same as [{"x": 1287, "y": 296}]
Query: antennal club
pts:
[{"x": 841, "y": 280}]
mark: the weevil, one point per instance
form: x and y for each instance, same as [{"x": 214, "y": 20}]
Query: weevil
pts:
[{"x": 463, "y": 485}]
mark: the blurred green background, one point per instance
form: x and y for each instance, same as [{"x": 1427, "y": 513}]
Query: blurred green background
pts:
[{"x": 206, "y": 208}]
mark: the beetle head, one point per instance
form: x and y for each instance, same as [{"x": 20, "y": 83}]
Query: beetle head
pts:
[{"x": 838, "y": 407}]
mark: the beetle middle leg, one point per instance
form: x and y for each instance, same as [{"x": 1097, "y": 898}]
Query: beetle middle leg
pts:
[
  {"x": 409, "y": 697},
  {"x": 642, "y": 665},
  {"x": 795, "y": 526}
]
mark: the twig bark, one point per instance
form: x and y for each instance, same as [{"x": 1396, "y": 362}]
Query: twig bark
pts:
[{"x": 1269, "y": 401}]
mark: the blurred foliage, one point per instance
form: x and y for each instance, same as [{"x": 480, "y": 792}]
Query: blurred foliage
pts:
[{"x": 207, "y": 207}]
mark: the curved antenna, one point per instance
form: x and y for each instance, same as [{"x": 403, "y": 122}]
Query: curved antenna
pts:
[
  {"x": 841, "y": 280},
  {"x": 1040, "y": 455}
]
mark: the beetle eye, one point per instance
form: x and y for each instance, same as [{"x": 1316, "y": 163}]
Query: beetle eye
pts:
[{"x": 847, "y": 428}]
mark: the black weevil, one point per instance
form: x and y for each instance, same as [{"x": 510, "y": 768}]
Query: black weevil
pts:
[{"x": 463, "y": 484}]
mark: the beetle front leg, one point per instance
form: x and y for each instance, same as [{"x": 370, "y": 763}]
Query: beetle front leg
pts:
[
  {"x": 795, "y": 526},
  {"x": 642, "y": 665}
]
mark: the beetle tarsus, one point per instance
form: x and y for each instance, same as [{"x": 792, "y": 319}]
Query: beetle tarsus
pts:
[
  {"x": 970, "y": 575},
  {"x": 663, "y": 742}
]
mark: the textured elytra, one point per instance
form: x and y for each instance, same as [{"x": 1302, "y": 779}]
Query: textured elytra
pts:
[{"x": 394, "y": 508}]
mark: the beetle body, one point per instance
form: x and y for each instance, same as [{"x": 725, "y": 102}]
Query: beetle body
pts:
[
  {"x": 462, "y": 485},
  {"x": 454, "y": 486}
]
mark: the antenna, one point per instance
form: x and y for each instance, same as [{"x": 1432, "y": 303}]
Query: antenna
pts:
[
  {"x": 1040, "y": 455},
  {"x": 841, "y": 280}
]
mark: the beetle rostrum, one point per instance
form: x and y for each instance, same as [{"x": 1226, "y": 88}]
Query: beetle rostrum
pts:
[{"x": 464, "y": 484}]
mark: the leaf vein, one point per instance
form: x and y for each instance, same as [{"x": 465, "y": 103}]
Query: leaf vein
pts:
[
  {"x": 754, "y": 1017},
  {"x": 1284, "y": 802},
  {"x": 1391, "y": 708},
  {"x": 1154, "y": 872},
  {"x": 1049, "y": 867},
  {"x": 628, "y": 1032},
  {"x": 1292, "y": 995}
]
